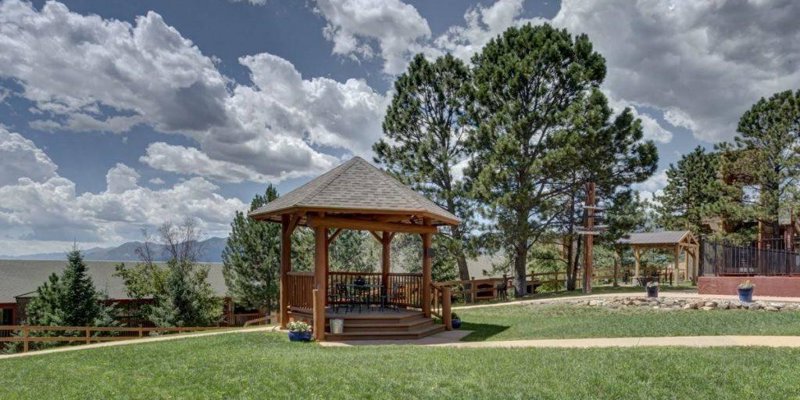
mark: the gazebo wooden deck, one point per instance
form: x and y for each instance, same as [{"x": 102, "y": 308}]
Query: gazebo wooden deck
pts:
[{"x": 357, "y": 195}]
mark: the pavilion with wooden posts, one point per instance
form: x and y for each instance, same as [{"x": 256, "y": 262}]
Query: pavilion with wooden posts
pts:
[
  {"x": 358, "y": 196},
  {"x": 679, "y": 242}
]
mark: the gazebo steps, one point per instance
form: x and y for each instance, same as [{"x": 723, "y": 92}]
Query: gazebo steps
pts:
[
  {"x": 416, "y": 333},
  {"x": 385, "y": 325}
]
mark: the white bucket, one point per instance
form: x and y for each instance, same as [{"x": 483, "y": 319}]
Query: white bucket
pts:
[{"x": 337, "y": 326}]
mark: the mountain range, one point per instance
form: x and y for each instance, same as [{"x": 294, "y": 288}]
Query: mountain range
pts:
[{"x": 212, "y": 252}]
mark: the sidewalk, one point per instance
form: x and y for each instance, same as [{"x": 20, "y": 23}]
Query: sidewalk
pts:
[{"x": 663, "y": 294}]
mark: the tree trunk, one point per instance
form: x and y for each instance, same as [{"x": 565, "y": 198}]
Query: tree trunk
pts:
[
  {"x": 617, "y": 264},
  {"x": 461, "y": 258},
  {"x": 520, "y": 270},
  {"x": 572, "y": 282}
]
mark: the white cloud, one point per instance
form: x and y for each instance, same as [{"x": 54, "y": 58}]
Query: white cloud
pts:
[
  {"x": 157, "y": 181},
  {"x": 19, "y": 158},
  {"x": 482, "y": 24},
  {"x": 354, "y": 24},
  {"x": 651, "y": 128},
  {"x": 702, "y": 62},
  {"x": 69, "y": 64},
  {"x": 653, "y": 186},
  {"x": 147, "y": 73},
  {"x": 43, "y": 207},
  {"x": 188, "y": 161}
]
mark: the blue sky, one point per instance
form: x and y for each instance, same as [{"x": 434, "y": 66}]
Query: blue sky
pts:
[{"x": 117, "y": 115}]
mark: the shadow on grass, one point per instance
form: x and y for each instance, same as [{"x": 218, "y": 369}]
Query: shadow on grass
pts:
[{"x": 481, "y": 332}]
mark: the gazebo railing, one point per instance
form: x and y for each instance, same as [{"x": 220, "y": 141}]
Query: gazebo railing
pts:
[
  {"x": 402, "y": 289},
  {"x": 300, "y": 286}
]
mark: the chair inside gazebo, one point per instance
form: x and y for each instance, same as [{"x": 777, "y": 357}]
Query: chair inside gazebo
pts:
[{"x": 372, "y": 305}]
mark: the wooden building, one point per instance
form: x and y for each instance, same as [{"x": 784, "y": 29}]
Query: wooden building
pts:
[{"x": 357, "y": 195}]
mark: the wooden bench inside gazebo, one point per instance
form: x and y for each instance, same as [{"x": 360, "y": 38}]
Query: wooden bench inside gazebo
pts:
[{"x": 357, "y": 195}]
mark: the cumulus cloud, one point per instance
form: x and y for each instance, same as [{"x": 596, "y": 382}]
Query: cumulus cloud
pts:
[
  {"x": 147, "y": 73},
  {"x": 354, "y": 25},
  {"x": 41, "y": 206},
  {"x": 653, "y": 186},
  {"x": 20, "y": 158},
  {"x": 703, "y": 63},
  {"x": 482, "y": 24},
  {"x": 69, "y": 64}
]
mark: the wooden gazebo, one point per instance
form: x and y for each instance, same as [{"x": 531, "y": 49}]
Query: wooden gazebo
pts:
[
  {"x": 679, "y": 242},
  {"x": 357, "y": 195}
]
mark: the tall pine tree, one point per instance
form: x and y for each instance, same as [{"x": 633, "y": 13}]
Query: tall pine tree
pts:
[
  {"x": 424, "y": 144},
  {"x": 530, "y": 86},
  {"x": 251, "y": 258}
]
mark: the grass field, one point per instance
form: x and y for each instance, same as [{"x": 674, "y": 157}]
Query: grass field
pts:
[
  {"x": 517, "y": 321},
  {"x": 258, "y": 365}
]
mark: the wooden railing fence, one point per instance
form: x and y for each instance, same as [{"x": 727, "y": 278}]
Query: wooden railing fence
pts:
[
  {"x": 27, "y": 334},
  {"x": 441, "y": 304}
]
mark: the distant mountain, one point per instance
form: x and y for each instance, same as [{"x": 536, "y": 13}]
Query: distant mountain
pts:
[{"x": 212, "y": 252}]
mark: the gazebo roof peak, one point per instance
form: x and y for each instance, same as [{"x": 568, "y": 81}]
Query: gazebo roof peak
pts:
[{"x": 354, "y": 188}]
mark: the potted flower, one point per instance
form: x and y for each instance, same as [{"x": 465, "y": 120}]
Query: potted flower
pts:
[
  {"x": 746, "y": 291},
  {"x": 456, "y": 320},
  {"x": 299, "y": 331},
  {"x": 652, "y": 289}
]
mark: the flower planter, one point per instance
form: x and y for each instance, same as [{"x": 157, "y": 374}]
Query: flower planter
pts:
[
  {"x": 456, "y": 323},
  {"x": 652, "y": 292},
  {"x": 746, "y": 295},
  {"x": 299, "y": 336}
]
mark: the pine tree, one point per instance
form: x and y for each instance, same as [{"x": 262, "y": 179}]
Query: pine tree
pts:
[
  {"x": 530, "y": 85},
  {"x": 693, "y": 186},
  {"x": 251, "y": 258},
  {"x": 772, "y": 128},
  {"x": 424, "y": 145}
]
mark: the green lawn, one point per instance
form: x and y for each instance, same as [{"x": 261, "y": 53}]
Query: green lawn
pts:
[
  {"x": 258, "y": 365},
  {"x": 516, "y": 321}
]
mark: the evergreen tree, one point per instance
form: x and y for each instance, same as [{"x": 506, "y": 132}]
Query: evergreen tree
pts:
[
  {"x": 354, "y": 251},
  {"x": 530, "y": 86},
  {"x": 69, "y": 300},
  {"x": 772, "y": 128},
  {"x": 180, "y": 292},
  {"x": 251, "y": 258},
  {"x": 424, "y": 143},
  {"x": 693, "y": 186}
]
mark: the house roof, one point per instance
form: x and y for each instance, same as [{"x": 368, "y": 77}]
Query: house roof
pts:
[
  {"x": 21, "y": 277},
  {"x": 657, "y": 238},
  {"x": 355, "y": 187}
]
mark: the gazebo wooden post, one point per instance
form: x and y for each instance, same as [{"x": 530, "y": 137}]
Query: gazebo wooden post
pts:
[
  {"x": 676, "y": 270},
  {"x": 636, "y": 257},
  {"x": 427, "y": 243},
  {"x": 386, "y": 259},
  {"x": 286, "y": 266},
  {"x": 320, "y": 280}
]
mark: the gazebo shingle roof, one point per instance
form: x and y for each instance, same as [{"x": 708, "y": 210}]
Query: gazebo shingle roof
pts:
[
  {"x": 654, "y": 238},
  {"x": 355, "y": 187}
]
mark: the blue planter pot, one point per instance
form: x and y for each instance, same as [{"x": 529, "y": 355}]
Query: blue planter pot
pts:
[
  {"x": 299, "y": 336},
  {"x": 456, "y": 323},
  {"x": 746, "y": 295}
]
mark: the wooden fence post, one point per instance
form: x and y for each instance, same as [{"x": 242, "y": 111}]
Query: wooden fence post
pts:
[
  {"x": 446, "y": 315},
  {"x": 88, "y": 336},
  {"x": 25, "y": 334},
  {"x": 141, "y": 331}
]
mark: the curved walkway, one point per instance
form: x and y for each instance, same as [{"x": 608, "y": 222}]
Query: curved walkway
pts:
[{"x": 674, "y": 341}]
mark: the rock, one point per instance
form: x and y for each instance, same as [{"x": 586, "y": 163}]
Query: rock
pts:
[
  {"x": 777, "y": 305},
  {"x": 710, "y": 304},
  {"x": 706, "y": 308},
  {"x": 596, "y": 303},
  {"x": 754, "y": 306},
  {"x": 723, "y": 305},
  {"x": 771, "y": 308},
  {"x": 687, "y": 306}
]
